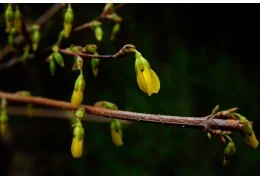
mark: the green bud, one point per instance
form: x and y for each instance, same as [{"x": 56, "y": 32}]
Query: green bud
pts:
[
  {"x": 35, "y": 36},
  {"x": 106, "y": 105},
  {"x": 90, "y": 48},
  {"x": 80, "y": 113},
  {"x": 98, "y": 33},
  {"x": 229, "y": 152},
  {"x": 78, "y": 130},
  {"x": 78, "y": 65},
  {"x": 58, "y": 58},
  {"x": 215, "y": 110},
  {"x": 3, "y": 116},
  {"x": 52, "y": 67},
  {"x": 9, "y": 15},
  {"x": 80, "y": 83},
  {"x": 69, "y": 15},
  {"x": 115, "y": 30},
  {"x": 55, "y": 48},
  {"x": 95, "y": 63},
  {"x": 61, "y": 36},
  {"x": 25, "y": 55},
  {"x": 18, "y": 20},
  {"x": 11, "y": 39},
  {"x": 116, "y": 132}
]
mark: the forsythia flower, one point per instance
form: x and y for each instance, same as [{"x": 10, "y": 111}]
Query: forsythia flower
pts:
[
  {"x": 147, "y": 80},
  {"x": 77, "y": 141},
  {"x": 77, "y": 95},
  {"x": 116, "y": 132}
]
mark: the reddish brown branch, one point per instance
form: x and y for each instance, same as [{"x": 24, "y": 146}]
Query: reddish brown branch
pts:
[
  {"x": 68, "y": 52},
  {"x": 194, "y": 122}
]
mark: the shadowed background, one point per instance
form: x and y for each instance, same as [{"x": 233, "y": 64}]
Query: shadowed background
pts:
[{"x": 204, "y": 55}]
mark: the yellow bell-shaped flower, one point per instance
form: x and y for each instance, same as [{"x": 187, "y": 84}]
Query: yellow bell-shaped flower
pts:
[{"x": 147, "y": 79}]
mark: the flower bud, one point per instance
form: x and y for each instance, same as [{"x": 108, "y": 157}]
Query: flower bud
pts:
[
  {"x": 9, "y": 15},
  {"x": 94, "y": 64},
  {"x": 116, "y": 132},
  {"x": 106, "y": 105},
  {"x": 80, "y": 113},
  {"x": 52, "y": 67},
  {"x": 77, "y": 95},
  {"x": 68, "y": 20},
  {"x": 35, "y": 37},
  {"x": 90, "y": 48},
  {"x": 115, "y": 30},
  {"x": 77, "y": 141},
  {"x": 229, "y": 152},
  {"x": 17, "y": 20},
  {"x": 98, "y": 33},
  {"x": 25, "y": 55},
  {"x": 78, "y": 64},
  {"x": 58, "y": 58}
]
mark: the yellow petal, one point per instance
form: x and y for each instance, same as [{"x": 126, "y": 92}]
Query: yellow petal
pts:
[
  {"x": 140, "y": 80},
  {"x": 77, "y": 147},
  {"x": 155, "y": 81},
  {"x": 148, "y": 80}
]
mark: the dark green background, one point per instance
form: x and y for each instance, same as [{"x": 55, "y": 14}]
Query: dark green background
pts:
[{"x": 204, "y": 55}]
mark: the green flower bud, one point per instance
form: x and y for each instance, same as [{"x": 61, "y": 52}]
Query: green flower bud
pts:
[
  {"x": 116, "y": 132},
  {"x": 80, "y": 113},
  {"x": 90, "y": 48},
  {"x": 107, "y": 7},
  {"x": 98, "y": 33},
  {"x": 94, "y": 64},
  {"x": 61, "y": 36},
  {"x": 52, "y": 67},
  {"x": 78, "y": 65},
  {"x": 25, "y": 55},
  {"x": 9, "y": 15},
  {"x": 35, "y": 36},
  {"x": 68, "y": 19},
  {"x": 115, "y": 30},
  {"x": 11, "y": 39},
  {"x": 78, "y": 130},
  {"x": 106, "y": 105},
  {"x": 17, "y": 20},
  {"x": 58, "y": 58},
  {"x": 229, "y": 152},
  {"x": 77, "y": 94}
]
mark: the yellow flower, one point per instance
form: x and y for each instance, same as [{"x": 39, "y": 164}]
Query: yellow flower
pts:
[
  {"x": 77, "y": 141},
  {"x": 147, "y": 79}
]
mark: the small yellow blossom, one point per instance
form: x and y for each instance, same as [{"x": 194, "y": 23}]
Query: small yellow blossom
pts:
[
  {"x": 147, "y": 79},
  {"x": 77, "y": 95}
]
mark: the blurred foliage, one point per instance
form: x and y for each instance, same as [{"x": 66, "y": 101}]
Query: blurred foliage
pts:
[{"x": 203, "y": 54}]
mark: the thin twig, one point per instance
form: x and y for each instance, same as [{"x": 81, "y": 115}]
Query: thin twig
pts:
[
  {"x": 14, "y": 61},
  {"x": 193, "y": 122},
  {"x": 69, "y": 52}
]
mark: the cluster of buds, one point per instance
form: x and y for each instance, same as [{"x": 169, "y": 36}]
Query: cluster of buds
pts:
[
  {"x": 13, "y": 19},
  {"x": 55, "y": 57}
]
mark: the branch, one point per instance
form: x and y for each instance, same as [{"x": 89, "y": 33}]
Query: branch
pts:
[
  {"x": 193, "y": 122},
  {"x": 53, "y": 114}
]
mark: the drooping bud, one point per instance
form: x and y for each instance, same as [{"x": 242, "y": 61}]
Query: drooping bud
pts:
[
  {"x": 90, "y": 48},
  {"x": 229, "y": 152},
  {"x": 11, "y": 37},
  {"x": 94, "y": 64},
  {"x": 77, "y": 95},
  {"x": 115, "y": 30},
  {"x": 98, "y": 33},
  {"x": 25, "y": 55},
  {"x": 78, "y": 64},
  {"x": 17, "y": 20},
  {"x": 247, "y": 131},
  {"x": 3, "y": 118},
  {"x": 116, "y": 132},
  {"x": 80, "y": 113},
  {"x": 52, "y": 67},
  {"x": 9, "y": 15},
  {"x": 78, "y": 140},
  {"x": 68, "y": 20},
  {"x": 35, "y": 36}
]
